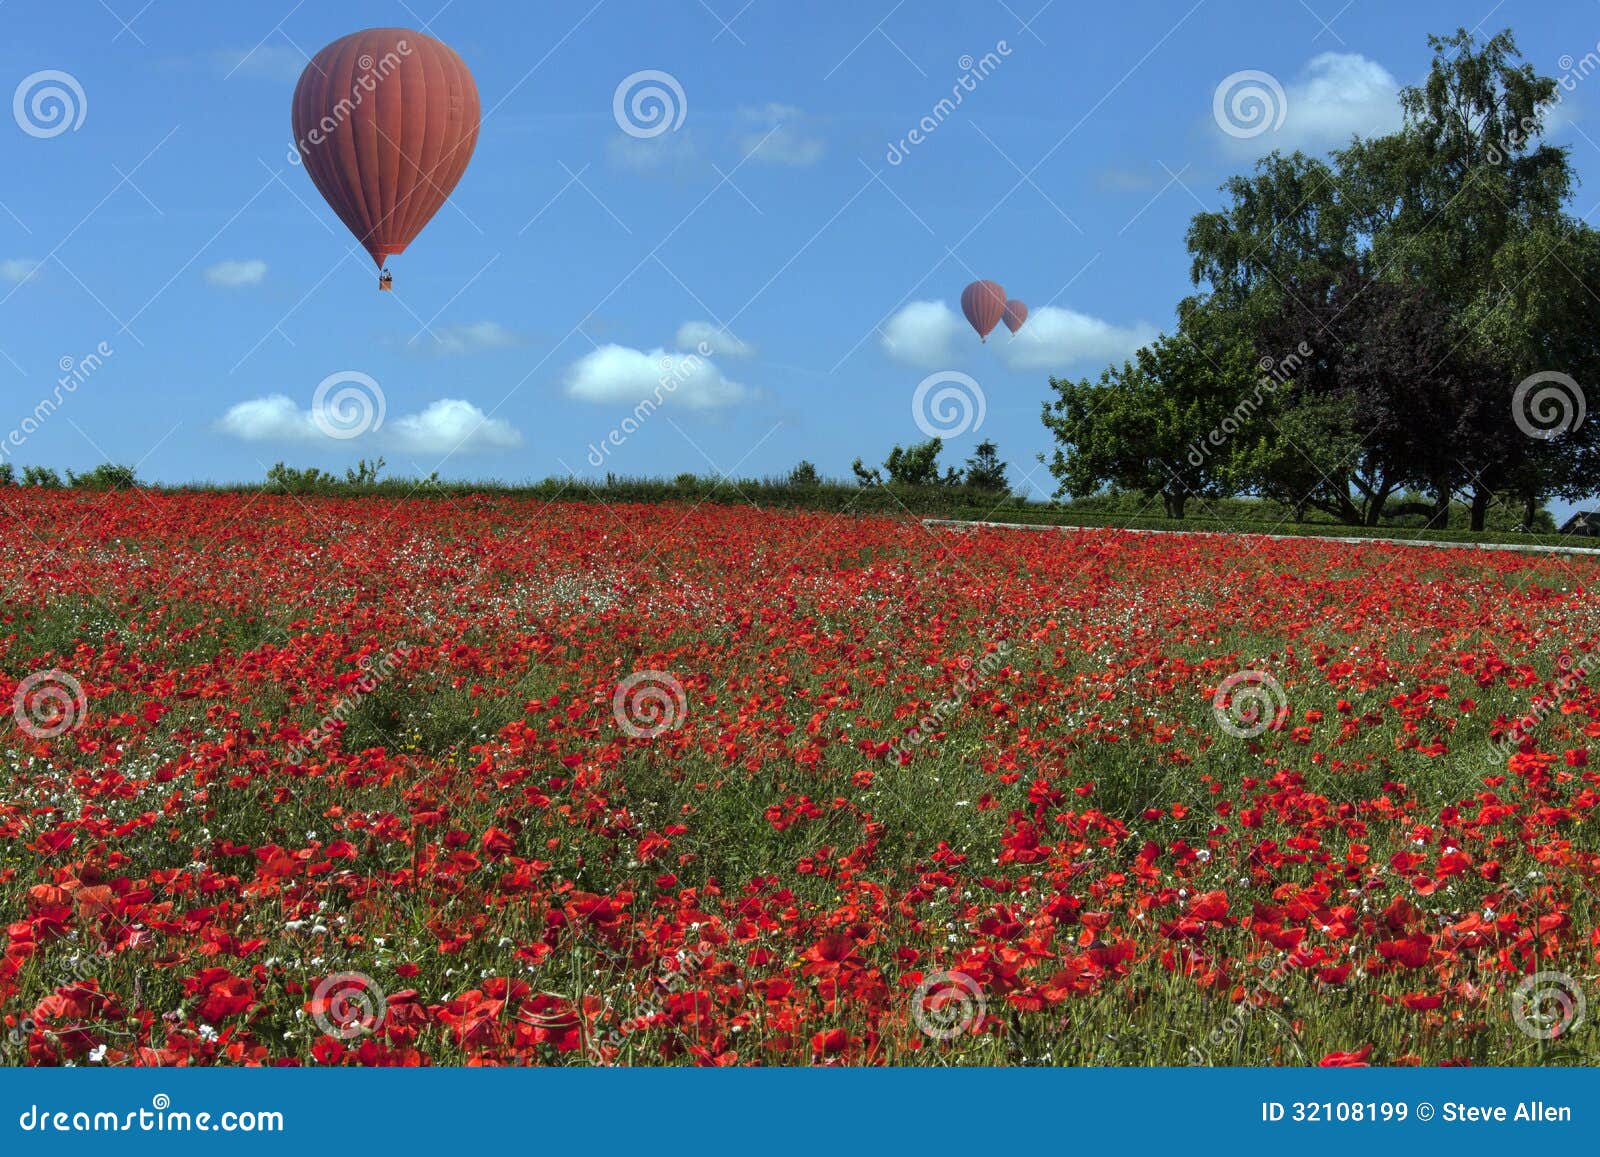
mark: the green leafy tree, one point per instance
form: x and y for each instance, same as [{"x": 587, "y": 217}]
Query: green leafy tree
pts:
[
  {"x": 985, "y": 471},
  {"x": 1164, "y": 424}
]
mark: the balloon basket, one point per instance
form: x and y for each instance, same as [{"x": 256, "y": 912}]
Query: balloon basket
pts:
[{"x": 386, "y": 281}]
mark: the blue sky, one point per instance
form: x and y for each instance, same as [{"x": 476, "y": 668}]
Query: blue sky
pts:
[{"x": 573, "y": 258}]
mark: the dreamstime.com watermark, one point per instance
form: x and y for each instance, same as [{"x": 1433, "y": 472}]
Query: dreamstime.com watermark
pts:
[
  {"x": 372, "y": 73},
  {"x": 1234, "y": 1023},
  {"x": 74, "y": 373},
  {"x": 372, "y": 677},
  {"x": 1572, "y": 676},
  {"x": 78, "y": 972},
  {"x": 973, "y": 73},
  {"x": 676, "y": 369},
  {"x": 159, "y": 1117},
  {"x": 685, "y": 963},
  {"x": 1272, "y": 375},
  {"x": 971, "y": 678},
  {"x": 1573, "y": 73}
]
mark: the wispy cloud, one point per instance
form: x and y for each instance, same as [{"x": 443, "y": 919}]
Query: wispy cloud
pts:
[
  {"x": 696, "y": 335},
  {"x": 18, "y": 269},
  {"x": 236, "y": 274},
  {"x": 473, "y": 336},
  {"x": 780, "y": 134}
]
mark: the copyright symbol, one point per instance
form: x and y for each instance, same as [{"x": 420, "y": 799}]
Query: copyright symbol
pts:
[{"x": 1424, "y": 1111}]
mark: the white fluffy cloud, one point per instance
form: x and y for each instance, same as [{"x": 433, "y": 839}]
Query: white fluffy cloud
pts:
[
  {"x": 932, "y": 335},
  {"x": 615, "y": 374},
  {"x": 447, "y": 425},
  {"x": 1337, "y": 95},
  {"x": 473, "y": 336},
  {"x": 923, "y": 334},
  {"x": 1053, "y": 338},
  {"x": 779, "y": 136},
  {"x": 452, "y": 424},
  {"x": 235, "y": 274},
  {"x": 692, "y": 335},
  {"x": 19, "y": 268},
  {"x": 275, "y": 418}
]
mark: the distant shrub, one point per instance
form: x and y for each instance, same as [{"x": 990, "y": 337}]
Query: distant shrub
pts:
[{"x": 106, "y": 476}]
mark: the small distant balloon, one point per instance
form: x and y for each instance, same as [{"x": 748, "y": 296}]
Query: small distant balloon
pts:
[
  {"x": 984, "y": 302},
  {"x": 1016, "y": 313}
]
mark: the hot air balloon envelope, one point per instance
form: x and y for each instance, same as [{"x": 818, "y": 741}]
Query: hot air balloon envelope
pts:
[
  {"x": 385, "y": 121},
  {"x": 1016, "y": 313},
  {"x": 983, "y": 302}
]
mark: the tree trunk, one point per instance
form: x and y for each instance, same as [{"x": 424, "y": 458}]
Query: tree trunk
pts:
[
  {"x": 1481, "y": 498},
  {"x": 1440, "y": 518},
  {"x": 1375, "y": 505},
  {"x": 1530, "y": 510},
  {"x": 1173, "y": 504}
]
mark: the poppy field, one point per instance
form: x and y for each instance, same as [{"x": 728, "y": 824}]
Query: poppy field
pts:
[{"x": 485, "y": 780}]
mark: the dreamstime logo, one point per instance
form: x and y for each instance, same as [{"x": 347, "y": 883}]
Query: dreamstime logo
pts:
[
  {"x": 48, "y": 704},
  {"x": 351, "y": 411},
  {"x": 1548, "y": 404},
  {"x": 948, "y": 404},
  {"x": 1249, "y": 103},
  {"x": 348, "y": 1004},
  {"x": 657, "y": 104},
  {"x": 47, "y": 104},
  {"x": 1547, "y": 1005},
  {"x": 648, "y": 703},
  {"x": 947, "y": 1004},
  {"x": 1248, "y": 703}
]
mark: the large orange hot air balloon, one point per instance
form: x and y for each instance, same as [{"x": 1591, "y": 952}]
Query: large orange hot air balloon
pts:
[
  {"x": 386, "y": 121},
  {"x": 1016, "y": 313},
  {"x": 983, "y": 302}
]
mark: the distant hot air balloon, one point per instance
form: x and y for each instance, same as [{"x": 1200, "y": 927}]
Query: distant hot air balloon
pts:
[
  {"x": 386, "y": 121},
  {"x": 1016, "y": 313},
  {"x": 983, "y": 302}
]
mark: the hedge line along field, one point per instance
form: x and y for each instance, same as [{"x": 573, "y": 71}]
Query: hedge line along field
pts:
[{"x": 479, "y": 781}]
